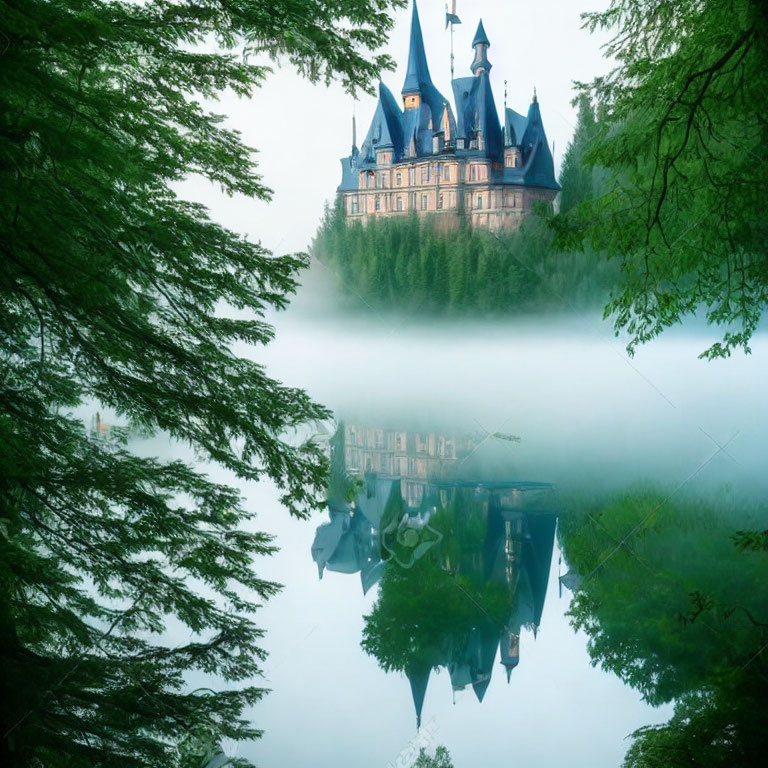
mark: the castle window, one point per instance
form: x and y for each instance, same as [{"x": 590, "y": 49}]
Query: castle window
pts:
[
  {"x": 412, "y": 101},
  {"x": 377, "y": 203},
  {"x": 473, "y": 173},
  {"x": 399, "y": 203},
  {"x": 355, "y": 207},
  {"x": 439, "y": 201},
  {"x": 399, "y": 179},
  {"x": 424, "y": 174},
  {"x": 479, "y": 201},
  {"x": 411, "y": 176},
  {"x": 424, "y": 202},
  {"x": 447, "y": 173}
]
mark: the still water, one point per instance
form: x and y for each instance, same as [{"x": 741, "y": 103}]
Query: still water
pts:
[{"x": 494, "y": 486}]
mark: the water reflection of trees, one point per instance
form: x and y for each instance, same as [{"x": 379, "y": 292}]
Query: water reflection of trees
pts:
[
  {"x": 673, "y": 599},
  {"x": 462, "y": 557}
]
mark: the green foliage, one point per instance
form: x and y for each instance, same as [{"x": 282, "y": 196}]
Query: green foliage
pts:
[
  {"x": 442, "y": 595},
  {"x": 674, "y": 607},
  {"x": 682, "y": 136},
  {"x": 410, "y": 263},
  {"x": 441, "y": 759},
  {"x": 116, "y": 294},
  {"x": 722, "y": 729},
  {"x": 576, "y": 178}
]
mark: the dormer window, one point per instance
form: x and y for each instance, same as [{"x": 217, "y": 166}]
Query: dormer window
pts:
[
  {"x": 446, "y": 124},
  {"x": 512, "y": 158}
]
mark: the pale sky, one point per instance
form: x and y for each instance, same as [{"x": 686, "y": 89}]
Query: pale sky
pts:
[{"x": 302, "y": 130}]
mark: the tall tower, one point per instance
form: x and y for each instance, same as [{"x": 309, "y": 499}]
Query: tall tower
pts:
[
  {"x": 481, "y": 46},
  {"x": 417, "y": 78}
]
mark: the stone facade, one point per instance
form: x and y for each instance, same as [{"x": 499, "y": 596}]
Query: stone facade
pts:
[{"x": 415, "y": 458}]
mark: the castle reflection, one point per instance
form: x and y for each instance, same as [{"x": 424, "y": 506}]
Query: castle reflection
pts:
[{"x": 460, "y": 549}]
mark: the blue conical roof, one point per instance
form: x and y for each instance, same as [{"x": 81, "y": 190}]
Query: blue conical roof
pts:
[
  {"x": 386, "y": 131},
  {"x": 480, "y": 36},
  {"x": 539, "y": 167},
  {"x": 480, "y": 688},
  {"x": 417, "y": 75},
  {"x": 418, "y": 678}
]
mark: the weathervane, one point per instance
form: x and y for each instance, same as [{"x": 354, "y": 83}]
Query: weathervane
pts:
[{"x": 451, "y": 18}]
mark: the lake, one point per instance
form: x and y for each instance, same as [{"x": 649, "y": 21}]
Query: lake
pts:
[{"x": 484, "y": 471}]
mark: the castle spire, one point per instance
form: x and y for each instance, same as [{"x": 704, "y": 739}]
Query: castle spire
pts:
[
  {"x": 418, "y": 678},
  {"x": 417, "y": 78},
  {"x": 481, "y": 45}
]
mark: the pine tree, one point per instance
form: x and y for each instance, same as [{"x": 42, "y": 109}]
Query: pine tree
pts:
[
  {"x": 576, "y": 178},
  {"x": 111, "y": 296}
]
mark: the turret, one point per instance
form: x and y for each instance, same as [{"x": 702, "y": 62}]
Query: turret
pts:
[
  {"x": 417, "y": 77},
  {"x": 510, "y": 649},
  {"x": 481, "y": 45}
]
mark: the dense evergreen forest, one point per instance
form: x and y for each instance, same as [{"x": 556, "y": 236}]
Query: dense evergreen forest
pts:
[{"x": 410, "y": 264}]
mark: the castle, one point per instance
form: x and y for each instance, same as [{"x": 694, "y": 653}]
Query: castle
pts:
[
  {"x": 410, "y": 502},
  {"x": 424, "y": 158}
]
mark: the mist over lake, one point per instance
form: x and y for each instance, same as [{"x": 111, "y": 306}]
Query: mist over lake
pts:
[{"x": 553, "y": 399}]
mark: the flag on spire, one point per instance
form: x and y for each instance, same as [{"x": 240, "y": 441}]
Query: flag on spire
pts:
[{"x": 451, "y": 18}]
